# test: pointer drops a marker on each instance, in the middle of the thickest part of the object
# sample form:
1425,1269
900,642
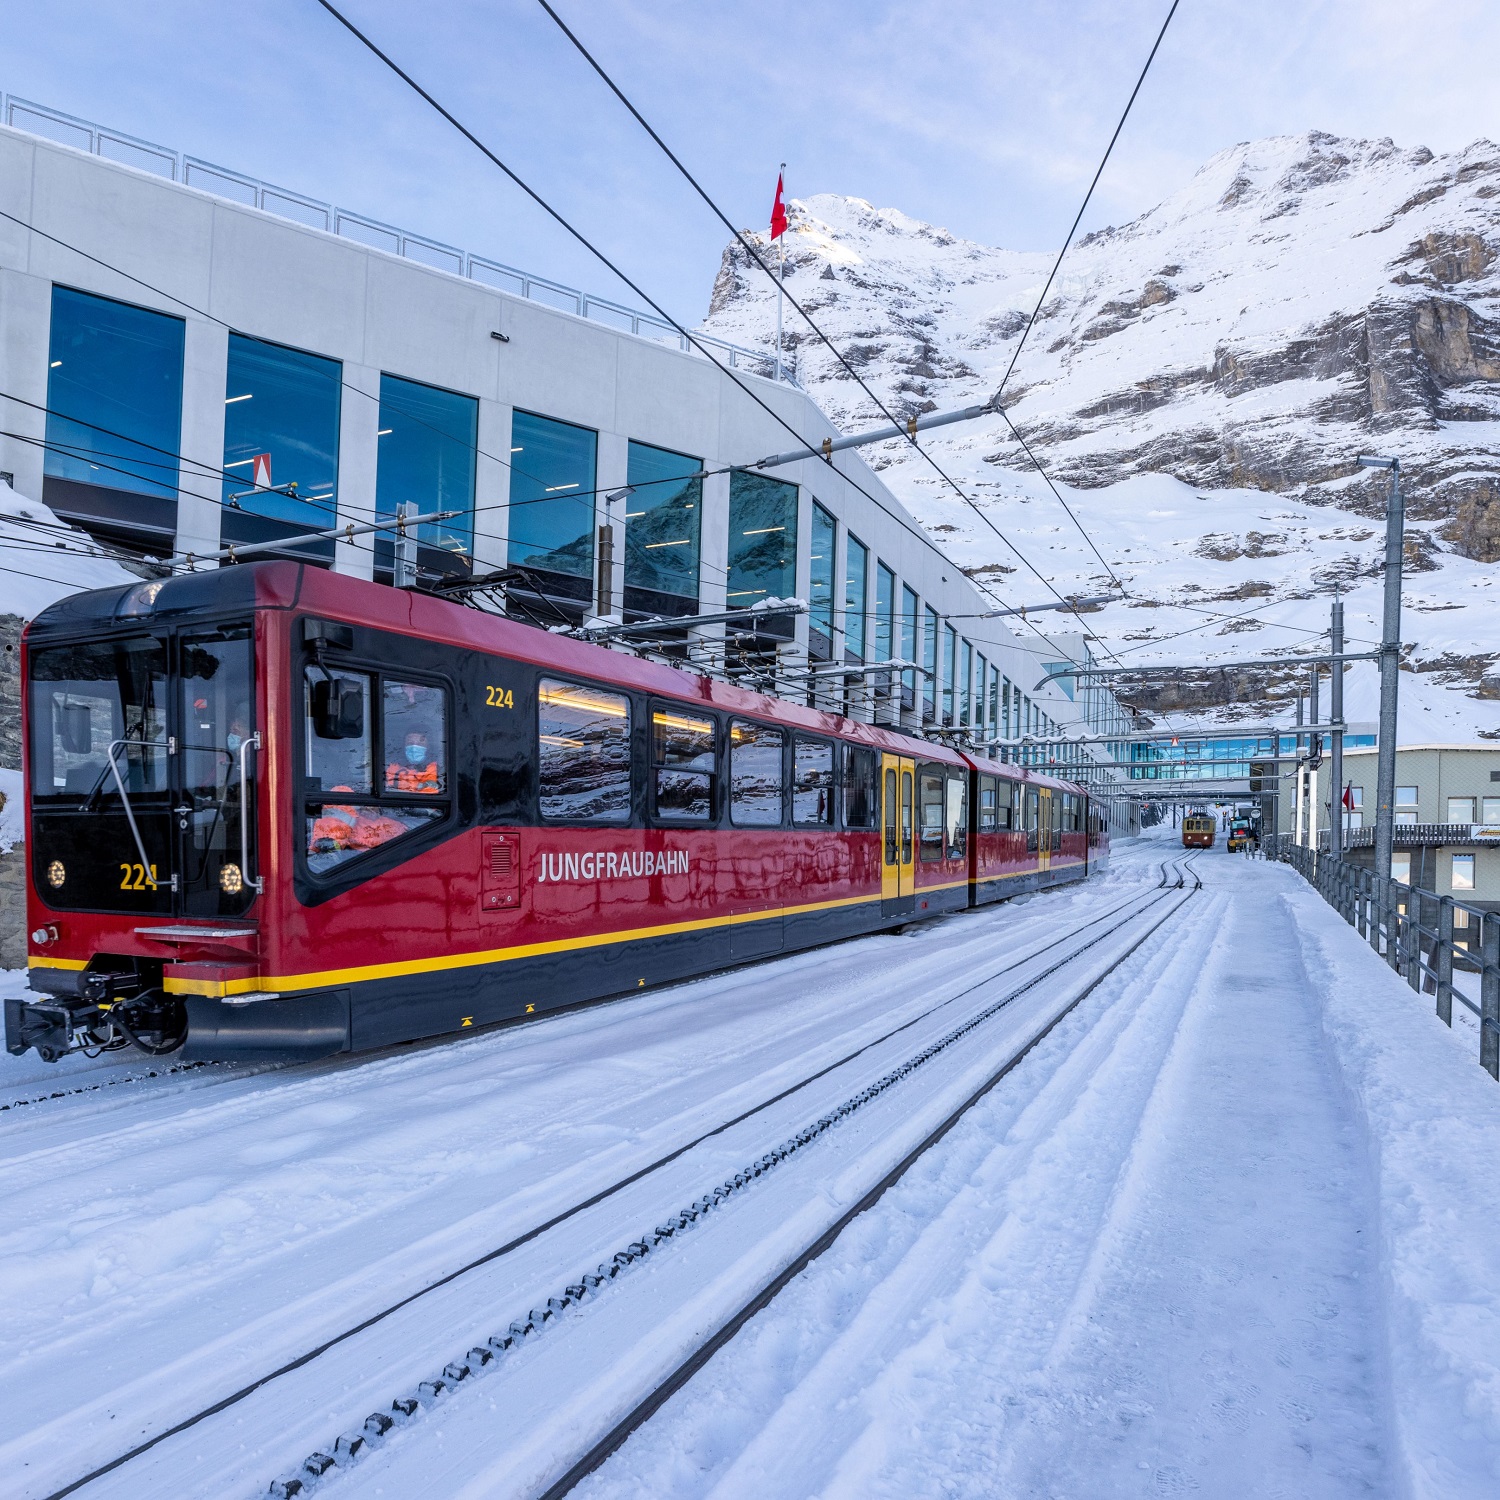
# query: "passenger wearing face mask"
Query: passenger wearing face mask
418,772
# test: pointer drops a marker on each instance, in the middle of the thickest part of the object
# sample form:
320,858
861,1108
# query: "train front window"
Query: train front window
93,700
217,697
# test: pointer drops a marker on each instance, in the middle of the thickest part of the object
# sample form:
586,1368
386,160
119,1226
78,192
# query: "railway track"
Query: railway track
156,1458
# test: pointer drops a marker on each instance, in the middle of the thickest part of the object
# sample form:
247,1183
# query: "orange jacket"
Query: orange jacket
400,778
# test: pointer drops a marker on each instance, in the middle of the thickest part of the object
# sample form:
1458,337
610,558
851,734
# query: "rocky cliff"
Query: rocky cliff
1216,365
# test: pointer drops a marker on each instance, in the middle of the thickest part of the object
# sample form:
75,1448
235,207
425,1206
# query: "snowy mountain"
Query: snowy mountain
1201,380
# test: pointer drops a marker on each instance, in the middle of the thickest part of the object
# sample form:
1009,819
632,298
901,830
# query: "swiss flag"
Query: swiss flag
778,213
261,472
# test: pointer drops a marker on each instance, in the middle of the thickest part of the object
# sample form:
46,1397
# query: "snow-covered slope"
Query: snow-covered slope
1202,380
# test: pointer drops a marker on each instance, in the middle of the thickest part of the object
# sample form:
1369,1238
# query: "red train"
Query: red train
275,812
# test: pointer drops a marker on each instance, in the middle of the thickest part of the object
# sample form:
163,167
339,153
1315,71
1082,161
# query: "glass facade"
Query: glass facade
929,661
426,462
981,676
281,443
908,645
663,530
762,540
885,613
820,583
950,670
552,466
114,424
856,600
965,678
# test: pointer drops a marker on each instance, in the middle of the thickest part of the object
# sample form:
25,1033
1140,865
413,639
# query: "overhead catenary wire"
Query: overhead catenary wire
751,250
614,269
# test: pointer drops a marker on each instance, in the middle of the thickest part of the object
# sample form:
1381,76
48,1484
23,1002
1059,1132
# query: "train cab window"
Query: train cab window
349,811
583,753
683,749
812,783
988,810
933,815
861,787
414,723
755,754
957,821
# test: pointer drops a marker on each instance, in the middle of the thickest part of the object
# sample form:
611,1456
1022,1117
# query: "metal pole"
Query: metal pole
1336,715
1314,754
780,283
1301,781
1390,666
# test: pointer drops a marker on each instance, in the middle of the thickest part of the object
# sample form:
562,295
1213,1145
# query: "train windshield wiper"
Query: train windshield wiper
112,763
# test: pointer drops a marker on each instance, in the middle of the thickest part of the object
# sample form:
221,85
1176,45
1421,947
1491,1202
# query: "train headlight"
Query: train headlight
56,874
231,881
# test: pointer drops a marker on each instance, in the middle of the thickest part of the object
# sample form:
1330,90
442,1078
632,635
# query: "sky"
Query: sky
985,116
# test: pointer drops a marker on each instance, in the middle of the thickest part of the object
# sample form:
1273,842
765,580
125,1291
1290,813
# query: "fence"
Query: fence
1424,937
237,187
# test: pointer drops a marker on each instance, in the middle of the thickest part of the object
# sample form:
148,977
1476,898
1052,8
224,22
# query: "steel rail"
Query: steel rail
660,1394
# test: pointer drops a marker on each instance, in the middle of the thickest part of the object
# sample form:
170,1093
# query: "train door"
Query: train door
897,817
1044,829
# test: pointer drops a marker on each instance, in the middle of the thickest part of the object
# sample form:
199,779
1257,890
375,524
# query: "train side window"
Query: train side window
755,756
861,787
812,782
683,748
988,805
958,816
932,813
583,753
344,765
1004,810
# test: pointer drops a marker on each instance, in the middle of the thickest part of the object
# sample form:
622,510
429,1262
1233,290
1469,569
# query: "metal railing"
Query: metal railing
1410,835
1424,937
237,187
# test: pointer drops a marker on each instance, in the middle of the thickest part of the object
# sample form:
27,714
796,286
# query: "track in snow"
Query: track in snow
1041,918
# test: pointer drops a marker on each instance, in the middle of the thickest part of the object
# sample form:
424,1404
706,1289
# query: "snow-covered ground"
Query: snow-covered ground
1230,1228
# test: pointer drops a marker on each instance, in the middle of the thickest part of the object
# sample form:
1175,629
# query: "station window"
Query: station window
1463,872
114,417
820,584
861,787
950,670
663,527
1460,810
762,540
812,782
683,749
908,646
551,514
1490,812
351,810
933,814
281,442
755,756
1406,804
1401,866
929,662
965,681
856,585
981,680
885,613
426,457
583,753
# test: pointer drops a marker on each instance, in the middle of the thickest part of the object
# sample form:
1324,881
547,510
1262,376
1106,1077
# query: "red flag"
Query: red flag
1349,797
778,213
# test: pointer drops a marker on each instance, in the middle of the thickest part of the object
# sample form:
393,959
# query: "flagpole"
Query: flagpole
780,286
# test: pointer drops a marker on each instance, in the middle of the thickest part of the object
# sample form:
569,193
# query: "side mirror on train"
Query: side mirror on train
75,732
338,709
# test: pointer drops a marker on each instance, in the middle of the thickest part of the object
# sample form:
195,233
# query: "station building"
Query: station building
193,360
